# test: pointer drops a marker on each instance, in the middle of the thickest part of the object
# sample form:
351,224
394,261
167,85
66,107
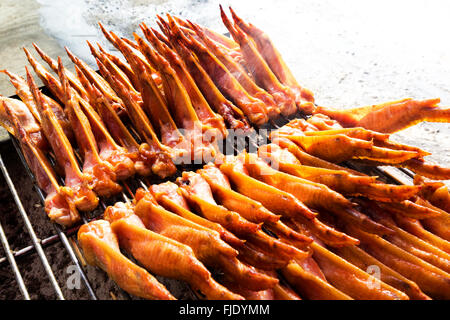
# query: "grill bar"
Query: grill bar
13,264
28,249
34,238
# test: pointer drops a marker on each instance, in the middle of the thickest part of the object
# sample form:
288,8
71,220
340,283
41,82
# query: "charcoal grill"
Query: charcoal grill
94,283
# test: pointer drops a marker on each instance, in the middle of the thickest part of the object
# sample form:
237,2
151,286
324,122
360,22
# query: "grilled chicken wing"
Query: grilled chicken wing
157,155
307,159
403,239
119,131
420,249
179,105
239,73
199,194
109,150
416,228
79,183
53,64
248,208
261,72
311,286
363,260
440,224
168,195
432,280
197,190
253,108
418,164
436,194
101,172
375,190
220,186
112,67
303,97
101,249
280,202
98,81
116,42
218,38
427,169
410,209
391,116
155,107
233,116
119,64
352,280
24,92
47,78
162,255
59,203
340,147
26,119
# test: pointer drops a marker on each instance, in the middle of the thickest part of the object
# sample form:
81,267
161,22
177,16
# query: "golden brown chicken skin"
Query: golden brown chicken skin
101,248
162,255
